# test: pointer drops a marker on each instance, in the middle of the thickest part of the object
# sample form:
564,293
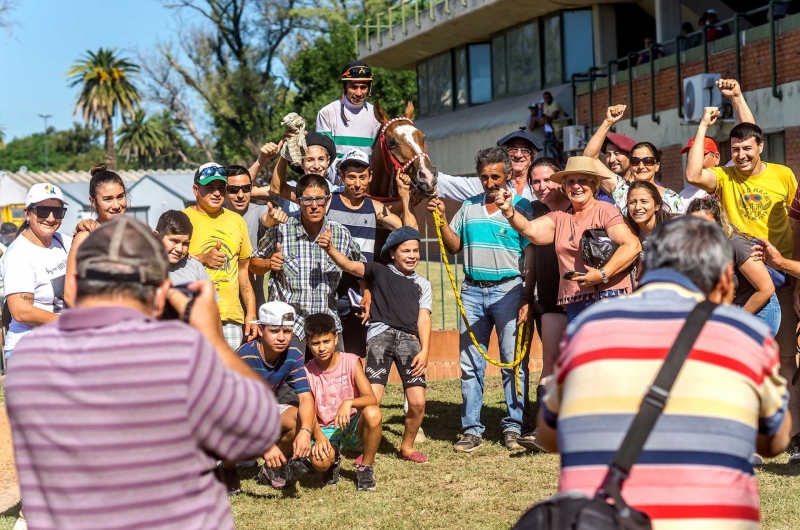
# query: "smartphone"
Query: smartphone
169,312
571,275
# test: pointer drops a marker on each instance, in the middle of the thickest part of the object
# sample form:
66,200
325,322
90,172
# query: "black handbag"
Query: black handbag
573,510
597,247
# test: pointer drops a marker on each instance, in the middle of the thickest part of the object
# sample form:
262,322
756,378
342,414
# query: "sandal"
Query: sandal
416,457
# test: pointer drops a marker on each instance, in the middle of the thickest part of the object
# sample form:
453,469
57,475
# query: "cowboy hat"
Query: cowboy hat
577,165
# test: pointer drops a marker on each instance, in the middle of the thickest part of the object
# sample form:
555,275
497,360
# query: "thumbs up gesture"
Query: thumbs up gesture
325,238
276,260
212,258
274,216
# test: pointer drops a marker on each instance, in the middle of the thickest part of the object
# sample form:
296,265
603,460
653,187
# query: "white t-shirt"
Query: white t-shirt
28,268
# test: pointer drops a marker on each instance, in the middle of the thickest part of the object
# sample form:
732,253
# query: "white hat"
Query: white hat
275,314
42,192
712,11
355,155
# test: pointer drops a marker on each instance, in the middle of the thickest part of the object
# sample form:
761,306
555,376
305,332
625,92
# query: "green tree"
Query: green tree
2,137
142,138
104,79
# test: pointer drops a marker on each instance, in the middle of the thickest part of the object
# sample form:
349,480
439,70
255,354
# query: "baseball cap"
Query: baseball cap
622,141
533,104
8,228
43,191
275,314
355,156
203,177
396,238
122,250
709,145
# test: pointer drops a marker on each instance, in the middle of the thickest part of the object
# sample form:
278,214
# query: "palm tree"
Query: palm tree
106,90
142,137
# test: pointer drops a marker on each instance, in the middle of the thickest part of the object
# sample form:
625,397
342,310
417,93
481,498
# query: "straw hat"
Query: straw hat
577,165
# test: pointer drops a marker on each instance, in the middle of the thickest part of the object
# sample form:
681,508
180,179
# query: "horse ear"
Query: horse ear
410,110
379,114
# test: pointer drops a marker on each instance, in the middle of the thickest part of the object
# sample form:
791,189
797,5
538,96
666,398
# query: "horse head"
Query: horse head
403,145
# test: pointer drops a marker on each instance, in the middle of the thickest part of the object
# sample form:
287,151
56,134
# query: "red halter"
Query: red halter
386,151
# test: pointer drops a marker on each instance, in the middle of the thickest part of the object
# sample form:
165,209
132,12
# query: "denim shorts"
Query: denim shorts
393,346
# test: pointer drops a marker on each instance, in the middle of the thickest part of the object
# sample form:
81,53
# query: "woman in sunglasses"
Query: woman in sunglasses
109,199
645,163
35,265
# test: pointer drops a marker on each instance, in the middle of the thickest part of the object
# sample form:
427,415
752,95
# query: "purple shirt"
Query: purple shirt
118,420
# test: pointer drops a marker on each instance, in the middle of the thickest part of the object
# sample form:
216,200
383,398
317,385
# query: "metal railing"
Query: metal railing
431,247
402,10
631,58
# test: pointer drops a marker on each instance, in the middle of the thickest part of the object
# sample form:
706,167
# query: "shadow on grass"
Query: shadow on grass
781,470
13,511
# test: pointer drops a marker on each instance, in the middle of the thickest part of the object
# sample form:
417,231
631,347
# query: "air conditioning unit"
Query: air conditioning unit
700,91
574,137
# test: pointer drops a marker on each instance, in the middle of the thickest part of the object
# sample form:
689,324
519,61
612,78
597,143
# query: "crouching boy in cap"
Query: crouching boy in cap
400,331
278,362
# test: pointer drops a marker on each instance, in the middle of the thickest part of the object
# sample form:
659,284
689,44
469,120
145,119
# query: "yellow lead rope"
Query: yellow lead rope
523,331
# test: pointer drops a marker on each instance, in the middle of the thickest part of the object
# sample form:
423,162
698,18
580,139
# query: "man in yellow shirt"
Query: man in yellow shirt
220,241
756,196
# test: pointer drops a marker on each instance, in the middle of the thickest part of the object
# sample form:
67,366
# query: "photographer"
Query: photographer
135,411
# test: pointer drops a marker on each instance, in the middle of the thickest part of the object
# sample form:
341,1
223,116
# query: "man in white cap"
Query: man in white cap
279,363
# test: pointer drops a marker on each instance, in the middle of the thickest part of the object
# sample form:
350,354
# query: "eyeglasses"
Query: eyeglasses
234,190
308,201
43,212
648,161
277,329
520,150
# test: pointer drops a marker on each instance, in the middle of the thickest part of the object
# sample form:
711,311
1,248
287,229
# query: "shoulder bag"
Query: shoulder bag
597,247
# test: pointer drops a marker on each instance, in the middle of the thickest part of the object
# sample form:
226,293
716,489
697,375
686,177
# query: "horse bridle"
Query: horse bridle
386,151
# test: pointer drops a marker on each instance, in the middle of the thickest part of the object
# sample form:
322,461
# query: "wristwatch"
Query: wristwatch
603,272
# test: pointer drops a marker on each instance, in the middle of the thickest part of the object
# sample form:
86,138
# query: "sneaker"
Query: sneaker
531,442
230,477
794,450
247,463
294,470
330,477
268,476
467,443
21,524
757,460
510,440
366,478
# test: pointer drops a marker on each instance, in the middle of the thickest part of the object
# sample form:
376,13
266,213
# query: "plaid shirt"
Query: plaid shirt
309,277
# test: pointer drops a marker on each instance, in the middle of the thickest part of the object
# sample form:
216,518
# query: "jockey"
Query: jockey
350,121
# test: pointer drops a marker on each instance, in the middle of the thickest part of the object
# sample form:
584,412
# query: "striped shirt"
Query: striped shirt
696,468
289,367
360,131
492,249
309,277
118,421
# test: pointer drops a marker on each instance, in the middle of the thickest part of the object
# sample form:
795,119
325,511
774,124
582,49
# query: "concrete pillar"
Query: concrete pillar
668,19
604,31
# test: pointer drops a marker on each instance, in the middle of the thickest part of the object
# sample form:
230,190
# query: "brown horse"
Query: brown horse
400,147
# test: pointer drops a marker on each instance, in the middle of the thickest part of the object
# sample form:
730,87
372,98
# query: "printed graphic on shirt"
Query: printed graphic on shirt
755,204
226,273
58,292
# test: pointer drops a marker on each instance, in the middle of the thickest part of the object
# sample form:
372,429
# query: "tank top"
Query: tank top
362,225
332,387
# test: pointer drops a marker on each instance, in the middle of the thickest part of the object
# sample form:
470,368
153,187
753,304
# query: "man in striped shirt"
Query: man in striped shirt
696,470
492,295
118,417
350,121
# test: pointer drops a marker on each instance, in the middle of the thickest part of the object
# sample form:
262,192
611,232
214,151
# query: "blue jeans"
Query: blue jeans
487,308
770,314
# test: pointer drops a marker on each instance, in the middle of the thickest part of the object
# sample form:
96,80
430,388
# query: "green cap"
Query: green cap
202,179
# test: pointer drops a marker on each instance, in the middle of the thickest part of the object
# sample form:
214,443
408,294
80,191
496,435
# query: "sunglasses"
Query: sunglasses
308,201
648,161
214,170
234,190
43,212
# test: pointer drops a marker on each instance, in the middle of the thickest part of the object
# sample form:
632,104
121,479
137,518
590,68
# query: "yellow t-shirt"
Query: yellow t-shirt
230,229
759,204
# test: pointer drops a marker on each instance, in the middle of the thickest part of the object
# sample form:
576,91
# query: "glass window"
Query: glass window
480,73
499,79
774,148
522,59
440,83
579,47
422,88
461,77
139,213
552,50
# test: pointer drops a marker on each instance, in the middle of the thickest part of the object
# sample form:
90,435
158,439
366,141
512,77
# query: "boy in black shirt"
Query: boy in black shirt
400,328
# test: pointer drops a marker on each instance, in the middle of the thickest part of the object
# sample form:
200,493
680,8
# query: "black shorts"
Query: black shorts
393,346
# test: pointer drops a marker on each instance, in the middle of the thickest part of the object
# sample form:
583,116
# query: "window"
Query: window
522,59
499,79
440,83
462,84
774,148
579,47
480,73
422,88
139,213
552,50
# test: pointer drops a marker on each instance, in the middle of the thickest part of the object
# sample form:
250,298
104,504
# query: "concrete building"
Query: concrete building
481,63
155,193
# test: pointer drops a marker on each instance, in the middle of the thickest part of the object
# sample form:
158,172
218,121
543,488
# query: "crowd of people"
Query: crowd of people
238,330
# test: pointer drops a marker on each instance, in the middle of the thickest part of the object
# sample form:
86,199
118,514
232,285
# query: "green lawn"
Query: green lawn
488,489
442,317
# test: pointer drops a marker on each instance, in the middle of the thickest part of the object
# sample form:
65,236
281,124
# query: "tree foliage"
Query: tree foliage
142,138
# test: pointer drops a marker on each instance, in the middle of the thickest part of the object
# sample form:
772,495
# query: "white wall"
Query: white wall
148,193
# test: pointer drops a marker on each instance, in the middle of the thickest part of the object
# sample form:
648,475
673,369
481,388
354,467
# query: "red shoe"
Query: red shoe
416,457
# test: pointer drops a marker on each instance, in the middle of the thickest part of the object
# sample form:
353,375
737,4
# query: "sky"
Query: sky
50,36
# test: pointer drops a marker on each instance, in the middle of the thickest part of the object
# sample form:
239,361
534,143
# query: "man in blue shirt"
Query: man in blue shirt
492,295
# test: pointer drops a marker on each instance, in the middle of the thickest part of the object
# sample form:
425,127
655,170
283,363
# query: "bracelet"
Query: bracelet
513,213
307,430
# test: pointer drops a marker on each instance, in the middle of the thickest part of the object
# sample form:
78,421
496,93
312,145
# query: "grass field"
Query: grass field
489,488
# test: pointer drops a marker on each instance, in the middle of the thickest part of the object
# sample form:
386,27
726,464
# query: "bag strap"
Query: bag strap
654,402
